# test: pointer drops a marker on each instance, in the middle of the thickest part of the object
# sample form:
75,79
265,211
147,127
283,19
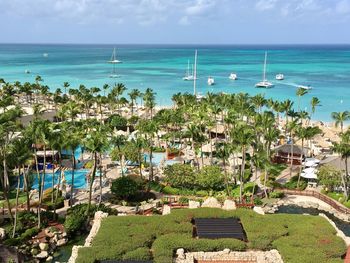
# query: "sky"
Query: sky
175,21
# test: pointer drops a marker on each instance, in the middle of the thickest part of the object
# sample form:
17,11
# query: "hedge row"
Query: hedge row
298,238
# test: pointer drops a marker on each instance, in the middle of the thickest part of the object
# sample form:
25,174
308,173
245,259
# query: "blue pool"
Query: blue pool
79,179
158,157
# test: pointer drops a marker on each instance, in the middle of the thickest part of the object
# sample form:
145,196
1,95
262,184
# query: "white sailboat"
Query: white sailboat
280,76
264,83
233,76
211,81
189,75
114,61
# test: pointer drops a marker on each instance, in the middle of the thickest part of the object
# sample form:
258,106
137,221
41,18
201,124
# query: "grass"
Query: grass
12,195
298,238
338,197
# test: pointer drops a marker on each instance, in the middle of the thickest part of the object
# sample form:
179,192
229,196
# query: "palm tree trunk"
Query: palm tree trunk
301,160
292,157
92,179
100,166
242,174
344,178
17,194
72,186
42,188
53,179
26,186
58,184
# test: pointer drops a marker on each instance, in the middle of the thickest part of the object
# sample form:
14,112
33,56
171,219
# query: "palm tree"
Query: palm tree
243,135
118,142
118,91
72,142
315,102
65,86
343,148
305,133
340,118
300,92
149,99
95,142
223,151
133,94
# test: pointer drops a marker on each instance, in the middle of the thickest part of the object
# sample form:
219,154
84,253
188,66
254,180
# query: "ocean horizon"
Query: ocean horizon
324,67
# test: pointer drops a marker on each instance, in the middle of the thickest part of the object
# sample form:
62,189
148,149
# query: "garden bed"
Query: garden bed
298,238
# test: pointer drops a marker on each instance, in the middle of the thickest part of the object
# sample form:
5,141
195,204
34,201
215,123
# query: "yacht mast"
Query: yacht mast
264,74
195,73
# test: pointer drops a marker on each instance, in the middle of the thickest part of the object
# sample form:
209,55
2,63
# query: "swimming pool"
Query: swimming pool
79,179
158,157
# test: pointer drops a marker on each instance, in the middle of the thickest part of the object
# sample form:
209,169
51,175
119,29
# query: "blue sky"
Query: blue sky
175,21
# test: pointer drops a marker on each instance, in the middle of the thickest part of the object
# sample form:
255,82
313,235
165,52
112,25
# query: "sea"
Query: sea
326,68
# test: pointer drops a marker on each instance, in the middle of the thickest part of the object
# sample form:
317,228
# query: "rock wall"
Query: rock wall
99,215
271,256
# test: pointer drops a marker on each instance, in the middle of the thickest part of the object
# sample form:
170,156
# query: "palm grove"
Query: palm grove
89,117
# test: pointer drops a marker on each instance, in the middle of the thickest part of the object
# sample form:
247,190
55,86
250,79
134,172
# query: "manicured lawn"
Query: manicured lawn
21,199
298,238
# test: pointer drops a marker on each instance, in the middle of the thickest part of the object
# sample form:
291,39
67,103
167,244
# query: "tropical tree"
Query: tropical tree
95,142
340,118
343,149
300,93
315,102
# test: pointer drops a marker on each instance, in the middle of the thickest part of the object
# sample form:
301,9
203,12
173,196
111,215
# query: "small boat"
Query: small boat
188,75
27,71
308,87
45,55
211,81
233,76
279,76
264,83
114,61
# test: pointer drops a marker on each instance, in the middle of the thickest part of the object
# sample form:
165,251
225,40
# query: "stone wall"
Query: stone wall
99,215
227,255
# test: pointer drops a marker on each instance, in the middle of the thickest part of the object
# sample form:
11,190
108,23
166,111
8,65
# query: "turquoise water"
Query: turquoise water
79,179
158,157
325,68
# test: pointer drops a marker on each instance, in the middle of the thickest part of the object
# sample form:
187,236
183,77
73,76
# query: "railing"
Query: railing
336,205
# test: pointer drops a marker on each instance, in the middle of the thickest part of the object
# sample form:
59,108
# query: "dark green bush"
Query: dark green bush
293,183
29,233
276,194
124,187
141,253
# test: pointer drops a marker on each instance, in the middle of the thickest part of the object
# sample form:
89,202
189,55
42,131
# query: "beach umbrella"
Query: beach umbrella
310,164
314,160
309,175
309,170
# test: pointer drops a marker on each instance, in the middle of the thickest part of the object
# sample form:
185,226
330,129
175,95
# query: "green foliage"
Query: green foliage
132,237
29,233
117,121
276,194
179,175
248,189
293,183
76,216
210,178
329,177
124,187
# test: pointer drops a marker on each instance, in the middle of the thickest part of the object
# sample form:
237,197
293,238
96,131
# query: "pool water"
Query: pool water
291,209
79,179
157,159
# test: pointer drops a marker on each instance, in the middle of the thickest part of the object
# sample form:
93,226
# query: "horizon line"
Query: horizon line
179,44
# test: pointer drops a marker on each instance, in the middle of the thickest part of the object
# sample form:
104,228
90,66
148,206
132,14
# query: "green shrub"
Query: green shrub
183,200
141,253
210,178
12,242
29,233
293,182
258,201
89,165
276,194
124,187
170,190
180,175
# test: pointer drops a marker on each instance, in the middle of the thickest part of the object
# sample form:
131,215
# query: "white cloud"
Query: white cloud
263,5
343,7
